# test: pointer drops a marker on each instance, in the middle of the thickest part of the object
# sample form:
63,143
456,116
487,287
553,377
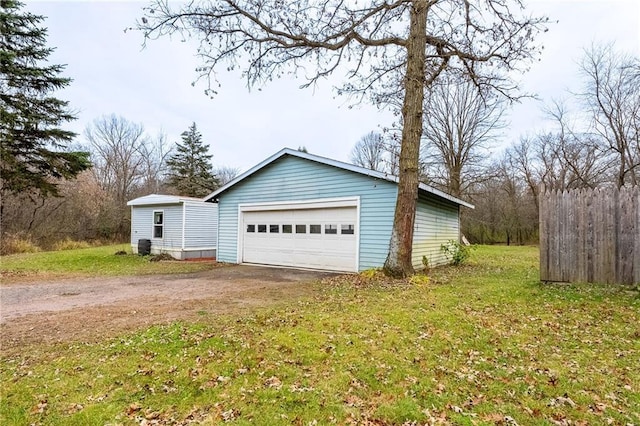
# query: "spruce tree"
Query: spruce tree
190,169
33,152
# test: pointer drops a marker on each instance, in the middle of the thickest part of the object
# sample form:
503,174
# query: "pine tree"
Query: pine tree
33,152
190,170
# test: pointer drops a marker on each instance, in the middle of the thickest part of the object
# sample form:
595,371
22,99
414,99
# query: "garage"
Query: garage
301,210
317,238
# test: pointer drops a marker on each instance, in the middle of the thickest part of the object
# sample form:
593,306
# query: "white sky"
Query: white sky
152,86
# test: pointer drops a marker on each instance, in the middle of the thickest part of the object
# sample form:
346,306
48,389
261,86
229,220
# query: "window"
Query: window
301,229
315,229
251,228
347,229
331,229
262,228
158,224
286,229
274,229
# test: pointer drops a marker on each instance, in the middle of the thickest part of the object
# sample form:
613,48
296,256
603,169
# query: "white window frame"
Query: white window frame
153,225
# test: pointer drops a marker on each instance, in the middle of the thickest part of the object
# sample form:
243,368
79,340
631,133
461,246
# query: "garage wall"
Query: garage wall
295,179
436,223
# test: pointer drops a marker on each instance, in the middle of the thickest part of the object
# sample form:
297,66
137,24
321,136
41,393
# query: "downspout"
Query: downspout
184,221
131,237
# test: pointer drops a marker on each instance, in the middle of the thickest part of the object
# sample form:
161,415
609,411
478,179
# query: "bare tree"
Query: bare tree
521,156
459,128
155,154
569,158
612,96
389,49
123,157
369,152
226,174
117,154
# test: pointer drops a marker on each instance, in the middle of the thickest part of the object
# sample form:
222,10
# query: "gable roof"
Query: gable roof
155,199
334,163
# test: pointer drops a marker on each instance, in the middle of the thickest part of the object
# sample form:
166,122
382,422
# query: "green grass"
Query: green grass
95,261
485,343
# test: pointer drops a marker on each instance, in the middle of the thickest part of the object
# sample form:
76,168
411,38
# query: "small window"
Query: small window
274,229
158,224
262,228
251,228
286,229
315,229
301,229
346,229
331,229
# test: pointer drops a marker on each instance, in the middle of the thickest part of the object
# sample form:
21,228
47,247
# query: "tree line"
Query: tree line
56,186
447,57
595,144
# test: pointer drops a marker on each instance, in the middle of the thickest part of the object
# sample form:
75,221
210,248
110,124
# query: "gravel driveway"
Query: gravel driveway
91,308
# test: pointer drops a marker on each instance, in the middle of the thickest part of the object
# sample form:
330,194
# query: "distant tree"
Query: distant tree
389,50
155,154
190,169
570,158
226,174
369,152
126,164
612,96
33,154
118,155
460,126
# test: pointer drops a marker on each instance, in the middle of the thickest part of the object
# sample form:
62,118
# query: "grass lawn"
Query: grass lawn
484,343
93,261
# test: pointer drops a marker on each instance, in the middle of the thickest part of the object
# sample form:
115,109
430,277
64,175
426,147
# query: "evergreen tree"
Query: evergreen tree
190,170
33,151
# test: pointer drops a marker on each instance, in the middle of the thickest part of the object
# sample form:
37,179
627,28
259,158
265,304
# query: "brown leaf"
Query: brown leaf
132,409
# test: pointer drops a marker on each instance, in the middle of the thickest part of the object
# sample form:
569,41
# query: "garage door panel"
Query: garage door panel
333,251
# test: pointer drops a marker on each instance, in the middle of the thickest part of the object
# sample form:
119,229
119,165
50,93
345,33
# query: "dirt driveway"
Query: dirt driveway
91,308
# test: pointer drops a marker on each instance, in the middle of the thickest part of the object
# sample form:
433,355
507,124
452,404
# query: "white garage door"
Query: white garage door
322,238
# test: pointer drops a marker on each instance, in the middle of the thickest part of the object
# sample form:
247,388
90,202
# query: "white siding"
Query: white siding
436,223
200,227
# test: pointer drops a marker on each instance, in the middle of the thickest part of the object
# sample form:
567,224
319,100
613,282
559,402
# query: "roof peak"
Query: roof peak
330,162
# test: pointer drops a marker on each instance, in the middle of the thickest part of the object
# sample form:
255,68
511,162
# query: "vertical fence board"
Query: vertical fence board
544,246
590,235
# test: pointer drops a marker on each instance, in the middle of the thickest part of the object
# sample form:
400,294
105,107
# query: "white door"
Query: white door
322,238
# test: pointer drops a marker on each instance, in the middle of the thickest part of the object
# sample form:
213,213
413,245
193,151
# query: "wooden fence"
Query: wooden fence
590,236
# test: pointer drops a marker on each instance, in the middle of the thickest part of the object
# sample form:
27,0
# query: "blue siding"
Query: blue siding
296,179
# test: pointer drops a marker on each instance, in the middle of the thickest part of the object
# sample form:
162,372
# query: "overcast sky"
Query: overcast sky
112,73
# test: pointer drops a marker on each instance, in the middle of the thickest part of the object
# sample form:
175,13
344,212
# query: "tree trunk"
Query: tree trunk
398,263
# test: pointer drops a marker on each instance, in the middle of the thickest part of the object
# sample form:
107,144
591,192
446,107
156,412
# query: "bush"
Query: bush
458,253
69,244
18,243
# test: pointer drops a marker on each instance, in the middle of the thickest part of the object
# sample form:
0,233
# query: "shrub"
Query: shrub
458,253
18,243
69,244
